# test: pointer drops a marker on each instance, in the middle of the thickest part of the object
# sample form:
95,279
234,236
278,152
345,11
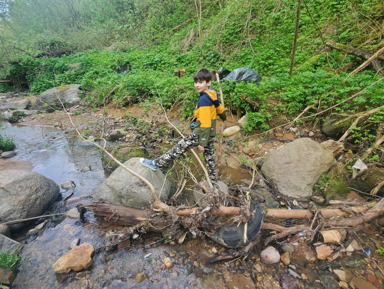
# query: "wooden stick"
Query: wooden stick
286,232
366,63
31,219
376,144
222,123
303,112
371,214
361,115
289,214
157,202
358,52
377,188
296,36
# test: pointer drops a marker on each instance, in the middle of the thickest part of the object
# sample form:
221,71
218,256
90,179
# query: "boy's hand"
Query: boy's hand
200,148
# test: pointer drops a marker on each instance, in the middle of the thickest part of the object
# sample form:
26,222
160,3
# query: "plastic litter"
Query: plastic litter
358,167
240,74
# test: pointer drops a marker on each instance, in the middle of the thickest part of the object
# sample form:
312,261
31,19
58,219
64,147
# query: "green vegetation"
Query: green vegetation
332,185
16,116
63,42
6,143
10,261
380,250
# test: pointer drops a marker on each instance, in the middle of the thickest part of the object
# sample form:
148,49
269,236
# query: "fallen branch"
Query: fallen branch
110,210
367,62
361,115
358,52
376,144
371,214
284,232
157,202
300,115
375,190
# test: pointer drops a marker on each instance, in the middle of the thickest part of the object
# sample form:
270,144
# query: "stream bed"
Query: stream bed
61,157
54,154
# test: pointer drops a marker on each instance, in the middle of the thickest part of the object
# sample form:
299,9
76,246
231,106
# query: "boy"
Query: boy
203,128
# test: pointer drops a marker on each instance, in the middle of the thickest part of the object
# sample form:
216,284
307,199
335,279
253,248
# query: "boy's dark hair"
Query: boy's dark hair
202,74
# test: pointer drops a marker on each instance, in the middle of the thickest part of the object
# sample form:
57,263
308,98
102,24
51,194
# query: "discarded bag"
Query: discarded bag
242,74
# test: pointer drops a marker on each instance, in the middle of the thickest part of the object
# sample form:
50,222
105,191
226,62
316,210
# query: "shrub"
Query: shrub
6,143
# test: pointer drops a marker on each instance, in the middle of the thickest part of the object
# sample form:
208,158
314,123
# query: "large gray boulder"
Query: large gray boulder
51,99
295,167
14,104
123,188
25,194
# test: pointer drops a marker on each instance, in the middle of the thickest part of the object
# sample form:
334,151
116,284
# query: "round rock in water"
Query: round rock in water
270,256
25,194
7,155
68,185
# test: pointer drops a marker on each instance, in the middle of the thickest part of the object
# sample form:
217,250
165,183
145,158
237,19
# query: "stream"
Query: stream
54,154
63,157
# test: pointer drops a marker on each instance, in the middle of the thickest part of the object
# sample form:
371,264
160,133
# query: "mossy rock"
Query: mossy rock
16,116
337,189
63,88
333,185
368,180
123,153
332,128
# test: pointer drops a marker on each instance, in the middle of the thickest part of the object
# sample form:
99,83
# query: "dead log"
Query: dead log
165,224
367,62
371,214
118,215
130,216
360,53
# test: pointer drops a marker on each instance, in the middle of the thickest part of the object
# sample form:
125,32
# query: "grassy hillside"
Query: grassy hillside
157,37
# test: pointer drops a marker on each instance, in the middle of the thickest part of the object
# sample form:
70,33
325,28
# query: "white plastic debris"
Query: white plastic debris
358,168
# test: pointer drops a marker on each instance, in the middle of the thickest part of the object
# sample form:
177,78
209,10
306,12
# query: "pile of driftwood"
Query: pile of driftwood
338,214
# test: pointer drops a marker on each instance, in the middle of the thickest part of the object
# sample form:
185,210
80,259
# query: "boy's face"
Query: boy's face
202,85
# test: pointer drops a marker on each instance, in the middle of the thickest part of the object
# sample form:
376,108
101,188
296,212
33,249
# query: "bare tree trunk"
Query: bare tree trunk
296,35
198,13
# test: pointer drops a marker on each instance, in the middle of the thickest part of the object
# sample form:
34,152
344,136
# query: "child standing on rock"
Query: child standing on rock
203,128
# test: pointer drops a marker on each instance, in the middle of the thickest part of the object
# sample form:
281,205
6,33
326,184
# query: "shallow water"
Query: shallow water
52,153
55,155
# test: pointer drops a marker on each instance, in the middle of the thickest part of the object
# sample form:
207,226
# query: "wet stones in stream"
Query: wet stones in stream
77,259
18,187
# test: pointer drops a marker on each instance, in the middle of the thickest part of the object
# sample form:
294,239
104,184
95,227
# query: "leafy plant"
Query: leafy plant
10,261
380,250
6,143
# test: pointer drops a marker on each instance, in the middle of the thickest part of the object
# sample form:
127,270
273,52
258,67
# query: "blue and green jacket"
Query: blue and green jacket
207,109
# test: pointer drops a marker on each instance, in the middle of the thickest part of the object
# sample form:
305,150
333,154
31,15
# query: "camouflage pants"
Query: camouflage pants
184,145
